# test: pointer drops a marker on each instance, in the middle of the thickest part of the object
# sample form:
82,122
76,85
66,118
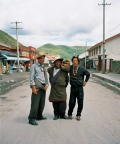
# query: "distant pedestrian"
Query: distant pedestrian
77,83
59,81
39,85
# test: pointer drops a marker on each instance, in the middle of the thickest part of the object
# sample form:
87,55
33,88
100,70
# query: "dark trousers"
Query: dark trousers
76,92
37,104
59,108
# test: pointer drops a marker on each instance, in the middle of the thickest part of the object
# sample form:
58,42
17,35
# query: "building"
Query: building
27,52
4,47
51,57
82,59
9,58
112,53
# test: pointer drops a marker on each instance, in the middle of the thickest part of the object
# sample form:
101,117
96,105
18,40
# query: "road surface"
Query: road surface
100,121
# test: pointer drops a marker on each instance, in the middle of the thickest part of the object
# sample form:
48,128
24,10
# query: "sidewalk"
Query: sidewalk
111,78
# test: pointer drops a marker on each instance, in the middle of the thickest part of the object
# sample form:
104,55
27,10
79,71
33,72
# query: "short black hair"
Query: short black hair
76,58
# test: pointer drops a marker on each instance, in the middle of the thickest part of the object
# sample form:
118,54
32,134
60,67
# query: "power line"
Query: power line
109,31
17,40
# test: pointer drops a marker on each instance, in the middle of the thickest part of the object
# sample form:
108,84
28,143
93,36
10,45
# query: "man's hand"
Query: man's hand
45,87
84,83
34,90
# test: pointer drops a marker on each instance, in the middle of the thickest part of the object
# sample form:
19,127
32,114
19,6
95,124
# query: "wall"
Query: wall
116,67
113,48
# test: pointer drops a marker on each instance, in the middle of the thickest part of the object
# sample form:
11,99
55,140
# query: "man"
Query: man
39,85
77,83
59,81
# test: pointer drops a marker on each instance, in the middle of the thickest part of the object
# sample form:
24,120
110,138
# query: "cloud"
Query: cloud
12,31
58,21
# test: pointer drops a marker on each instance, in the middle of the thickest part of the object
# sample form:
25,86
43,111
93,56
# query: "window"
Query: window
25,53
94,51
89,53
99,49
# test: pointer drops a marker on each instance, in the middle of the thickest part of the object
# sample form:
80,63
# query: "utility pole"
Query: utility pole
17,41
85,54
103,61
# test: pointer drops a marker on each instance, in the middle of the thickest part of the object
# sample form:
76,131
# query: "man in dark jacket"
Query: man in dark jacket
59,81
77,83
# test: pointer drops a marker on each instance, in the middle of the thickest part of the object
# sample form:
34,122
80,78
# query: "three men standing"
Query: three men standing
59,80
39,85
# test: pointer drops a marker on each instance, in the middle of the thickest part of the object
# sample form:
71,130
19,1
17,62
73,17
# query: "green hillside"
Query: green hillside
7,39
64,51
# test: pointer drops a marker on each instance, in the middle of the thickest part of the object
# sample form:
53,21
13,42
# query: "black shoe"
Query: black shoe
33,122
56,117
64,117
41,118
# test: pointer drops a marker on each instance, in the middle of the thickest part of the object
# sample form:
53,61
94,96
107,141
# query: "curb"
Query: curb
107,80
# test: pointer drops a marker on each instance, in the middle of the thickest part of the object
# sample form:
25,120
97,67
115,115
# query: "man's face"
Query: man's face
75,62
41,60
58,64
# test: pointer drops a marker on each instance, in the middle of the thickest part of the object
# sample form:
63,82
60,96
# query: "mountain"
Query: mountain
64,51
7,39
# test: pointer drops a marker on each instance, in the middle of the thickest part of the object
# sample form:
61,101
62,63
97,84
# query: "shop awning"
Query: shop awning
15,58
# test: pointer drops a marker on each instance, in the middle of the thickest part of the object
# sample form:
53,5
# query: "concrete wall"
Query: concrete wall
116,67
112,48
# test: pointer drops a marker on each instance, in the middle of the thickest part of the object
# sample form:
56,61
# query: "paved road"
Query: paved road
100,123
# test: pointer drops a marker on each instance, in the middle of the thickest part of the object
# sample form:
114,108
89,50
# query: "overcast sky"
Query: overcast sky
66,22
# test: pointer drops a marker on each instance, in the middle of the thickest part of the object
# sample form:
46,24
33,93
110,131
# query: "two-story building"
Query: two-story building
8,56
27,52
112,52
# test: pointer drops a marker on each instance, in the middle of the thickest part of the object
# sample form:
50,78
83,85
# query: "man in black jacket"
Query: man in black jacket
77,83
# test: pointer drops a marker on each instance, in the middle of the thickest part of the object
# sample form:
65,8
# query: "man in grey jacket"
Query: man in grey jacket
39,85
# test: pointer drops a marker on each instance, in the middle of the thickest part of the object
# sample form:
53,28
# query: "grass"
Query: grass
64,51
7,39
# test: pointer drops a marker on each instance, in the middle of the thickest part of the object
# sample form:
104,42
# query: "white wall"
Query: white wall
46,60
112,48
83,55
